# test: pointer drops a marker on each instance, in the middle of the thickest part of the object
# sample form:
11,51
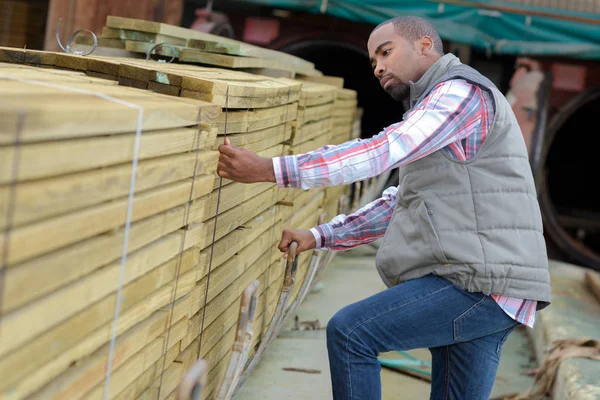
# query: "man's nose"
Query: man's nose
379,70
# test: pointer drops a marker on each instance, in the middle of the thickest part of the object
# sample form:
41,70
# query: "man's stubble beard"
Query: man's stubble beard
399,91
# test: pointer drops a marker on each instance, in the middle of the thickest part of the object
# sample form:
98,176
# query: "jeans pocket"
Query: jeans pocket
481,319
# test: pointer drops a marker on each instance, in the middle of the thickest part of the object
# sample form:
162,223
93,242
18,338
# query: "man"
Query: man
463,255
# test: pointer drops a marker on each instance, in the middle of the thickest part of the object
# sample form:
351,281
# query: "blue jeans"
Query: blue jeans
464,332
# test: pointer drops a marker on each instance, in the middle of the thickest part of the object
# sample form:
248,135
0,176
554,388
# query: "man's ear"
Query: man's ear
426,45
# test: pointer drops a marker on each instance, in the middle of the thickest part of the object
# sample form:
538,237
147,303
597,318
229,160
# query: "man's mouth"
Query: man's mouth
385,80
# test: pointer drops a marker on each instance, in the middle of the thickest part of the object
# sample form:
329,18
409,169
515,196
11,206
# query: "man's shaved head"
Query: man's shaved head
414,28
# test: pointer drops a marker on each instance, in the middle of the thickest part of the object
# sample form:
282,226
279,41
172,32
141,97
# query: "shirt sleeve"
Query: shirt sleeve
447,115
364,226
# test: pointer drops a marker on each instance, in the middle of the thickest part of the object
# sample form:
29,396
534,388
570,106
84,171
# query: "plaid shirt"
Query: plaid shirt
455,117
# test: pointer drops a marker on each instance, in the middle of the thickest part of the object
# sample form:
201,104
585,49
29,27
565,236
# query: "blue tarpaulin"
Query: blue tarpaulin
498,27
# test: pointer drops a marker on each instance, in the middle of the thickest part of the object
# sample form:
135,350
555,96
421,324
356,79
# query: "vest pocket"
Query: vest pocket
424,219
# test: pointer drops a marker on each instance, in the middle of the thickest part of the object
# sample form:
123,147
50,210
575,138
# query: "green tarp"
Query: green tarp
504,27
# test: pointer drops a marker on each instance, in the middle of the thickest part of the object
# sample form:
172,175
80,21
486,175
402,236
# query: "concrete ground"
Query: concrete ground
352,277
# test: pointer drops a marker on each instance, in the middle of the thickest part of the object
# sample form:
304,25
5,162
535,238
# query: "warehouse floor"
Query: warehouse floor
352,277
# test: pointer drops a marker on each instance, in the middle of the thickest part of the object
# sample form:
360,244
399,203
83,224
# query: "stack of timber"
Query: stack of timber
72,251
67,161
194,241
345,127
344,115
191,46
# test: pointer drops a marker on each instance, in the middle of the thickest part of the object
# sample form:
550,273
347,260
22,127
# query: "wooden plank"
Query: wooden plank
336,81
37,57
221,84
315,94
312,130
347,94
233,195
56,349
256,119
42,160
164,89
43,274
135,368
48,75
260,140
12,55
188,55
216,42
241,102
245,49
126,34
67,193
220,303
214,378
345,113
101,75
131,348
273,73
144,381
208,80
101,41
229,245
308,114
168,51
345,103
236,217
227,273
149,71
158,371
305,197
310,145
308,212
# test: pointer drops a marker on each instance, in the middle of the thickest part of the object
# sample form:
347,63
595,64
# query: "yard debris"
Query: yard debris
307,325
305,370
545,374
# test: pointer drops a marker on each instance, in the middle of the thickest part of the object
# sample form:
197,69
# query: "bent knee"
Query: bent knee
339,325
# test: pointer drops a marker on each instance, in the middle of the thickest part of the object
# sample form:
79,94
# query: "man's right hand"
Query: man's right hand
242,165
304,238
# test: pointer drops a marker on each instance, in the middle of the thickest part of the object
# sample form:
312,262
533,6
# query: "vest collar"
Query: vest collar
432,75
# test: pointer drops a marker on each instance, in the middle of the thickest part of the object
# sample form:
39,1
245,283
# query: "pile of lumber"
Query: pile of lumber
68,143
191,46
344,116
175,252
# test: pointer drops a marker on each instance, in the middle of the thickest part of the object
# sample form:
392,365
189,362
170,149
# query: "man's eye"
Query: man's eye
386,52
